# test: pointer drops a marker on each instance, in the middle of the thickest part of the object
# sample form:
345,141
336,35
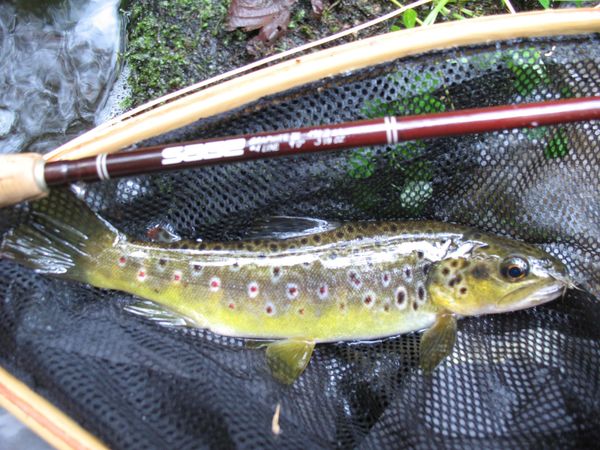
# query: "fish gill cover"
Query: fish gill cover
527,379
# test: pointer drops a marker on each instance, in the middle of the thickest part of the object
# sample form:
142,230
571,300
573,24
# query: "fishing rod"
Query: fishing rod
383,131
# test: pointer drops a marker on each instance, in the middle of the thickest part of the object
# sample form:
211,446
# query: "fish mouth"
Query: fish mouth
533,295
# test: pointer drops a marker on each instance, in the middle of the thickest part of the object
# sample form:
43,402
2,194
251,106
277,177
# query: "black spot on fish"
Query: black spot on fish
394,228
446,271
184,246
198,267
454,263
156,290
426,268
480,271
420,254
262,255
162,262
339,234
202,246
368,300
454,281
421,293
217,247
317,238
386,308
407,272
415,306
400,297
304,241
273,247
463,290
350,229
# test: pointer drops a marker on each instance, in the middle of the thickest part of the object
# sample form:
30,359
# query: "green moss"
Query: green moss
164,38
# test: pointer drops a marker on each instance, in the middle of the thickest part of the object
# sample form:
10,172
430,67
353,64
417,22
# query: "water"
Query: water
15,436
58,61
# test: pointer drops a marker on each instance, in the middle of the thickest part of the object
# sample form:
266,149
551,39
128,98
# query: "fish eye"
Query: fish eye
514,268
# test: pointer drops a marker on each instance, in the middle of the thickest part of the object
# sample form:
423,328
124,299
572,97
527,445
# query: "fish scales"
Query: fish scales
359,281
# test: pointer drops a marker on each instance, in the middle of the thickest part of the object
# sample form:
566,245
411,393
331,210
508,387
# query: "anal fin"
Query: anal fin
288,358
437,342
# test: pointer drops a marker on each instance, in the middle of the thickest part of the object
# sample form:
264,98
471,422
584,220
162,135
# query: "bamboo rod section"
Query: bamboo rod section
356,55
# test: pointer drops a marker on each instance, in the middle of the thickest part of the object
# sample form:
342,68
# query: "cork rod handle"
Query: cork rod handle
21,178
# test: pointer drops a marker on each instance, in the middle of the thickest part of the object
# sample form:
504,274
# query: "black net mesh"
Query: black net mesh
529,379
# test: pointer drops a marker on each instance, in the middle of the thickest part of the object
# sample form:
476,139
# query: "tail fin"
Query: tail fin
60,236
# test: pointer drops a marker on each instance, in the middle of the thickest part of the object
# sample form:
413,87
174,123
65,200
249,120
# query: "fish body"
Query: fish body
359,281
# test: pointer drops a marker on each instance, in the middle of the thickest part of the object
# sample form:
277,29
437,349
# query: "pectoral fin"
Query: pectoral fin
437,342
287,359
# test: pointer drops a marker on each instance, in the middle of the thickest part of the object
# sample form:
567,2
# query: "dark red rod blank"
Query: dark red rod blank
384,131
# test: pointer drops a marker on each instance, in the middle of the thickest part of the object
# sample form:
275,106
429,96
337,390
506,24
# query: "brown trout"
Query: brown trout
359,281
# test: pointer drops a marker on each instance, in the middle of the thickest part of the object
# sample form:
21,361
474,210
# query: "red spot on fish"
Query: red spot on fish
269,309
122,261
215,284
253,289
323,292
292,291
176,277
301,311
141,275
231,306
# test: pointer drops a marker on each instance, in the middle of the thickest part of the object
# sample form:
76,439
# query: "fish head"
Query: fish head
496,275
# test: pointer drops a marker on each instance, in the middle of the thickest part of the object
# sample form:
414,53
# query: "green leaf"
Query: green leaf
362,164
558,145
545,3
409,18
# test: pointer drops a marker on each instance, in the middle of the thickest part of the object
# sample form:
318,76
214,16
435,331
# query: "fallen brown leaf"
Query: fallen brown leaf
271,16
